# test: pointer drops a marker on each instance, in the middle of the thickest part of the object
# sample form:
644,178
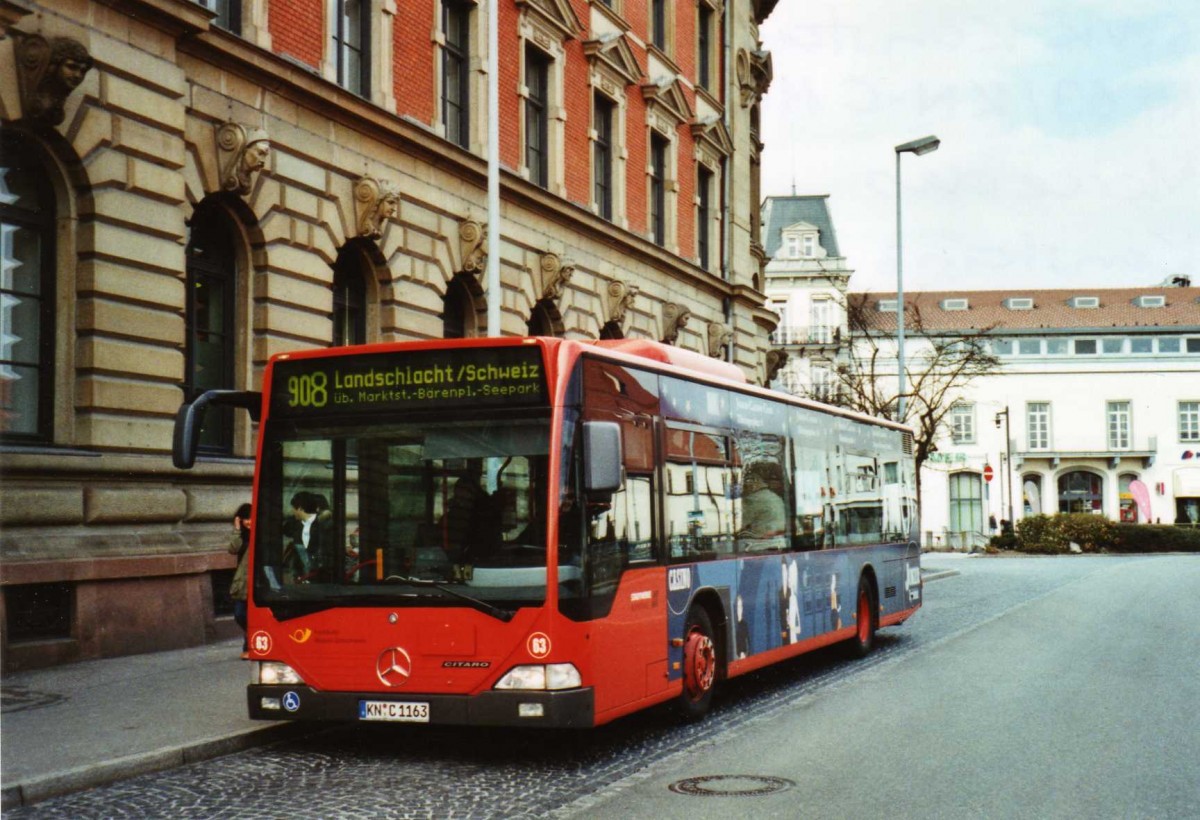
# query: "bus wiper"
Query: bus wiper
505,615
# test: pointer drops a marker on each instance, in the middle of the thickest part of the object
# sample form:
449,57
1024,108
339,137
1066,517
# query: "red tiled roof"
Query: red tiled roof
1051,309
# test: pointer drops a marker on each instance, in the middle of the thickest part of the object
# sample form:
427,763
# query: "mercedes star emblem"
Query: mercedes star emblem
393,667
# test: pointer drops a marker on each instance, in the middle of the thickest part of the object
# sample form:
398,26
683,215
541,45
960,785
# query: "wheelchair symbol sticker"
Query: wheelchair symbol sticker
291,701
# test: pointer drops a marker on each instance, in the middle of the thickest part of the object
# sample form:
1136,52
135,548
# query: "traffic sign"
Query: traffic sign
988,472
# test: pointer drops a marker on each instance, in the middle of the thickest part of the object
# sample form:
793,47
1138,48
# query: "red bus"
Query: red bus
537,531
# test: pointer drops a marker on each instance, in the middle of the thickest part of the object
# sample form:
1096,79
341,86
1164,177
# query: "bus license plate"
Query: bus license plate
399,711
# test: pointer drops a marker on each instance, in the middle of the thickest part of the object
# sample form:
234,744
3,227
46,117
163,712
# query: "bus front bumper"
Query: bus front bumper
571,708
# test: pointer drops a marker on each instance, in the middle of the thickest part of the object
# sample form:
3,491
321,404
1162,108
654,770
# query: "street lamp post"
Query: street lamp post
919,147
1007,457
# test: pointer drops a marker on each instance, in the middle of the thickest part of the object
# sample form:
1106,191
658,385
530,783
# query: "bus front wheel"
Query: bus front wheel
864,621
699,664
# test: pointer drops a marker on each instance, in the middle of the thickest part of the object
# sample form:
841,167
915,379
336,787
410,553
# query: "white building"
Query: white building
1095,407
806,282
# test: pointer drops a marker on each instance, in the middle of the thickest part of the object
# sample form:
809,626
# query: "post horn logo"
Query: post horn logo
301,635
393,666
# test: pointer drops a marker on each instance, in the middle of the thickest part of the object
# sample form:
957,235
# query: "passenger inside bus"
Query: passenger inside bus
764,513
308,538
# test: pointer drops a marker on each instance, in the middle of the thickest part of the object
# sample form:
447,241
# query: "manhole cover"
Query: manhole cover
20,698
731,785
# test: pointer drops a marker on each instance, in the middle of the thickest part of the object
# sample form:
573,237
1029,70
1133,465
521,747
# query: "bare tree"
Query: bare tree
938,366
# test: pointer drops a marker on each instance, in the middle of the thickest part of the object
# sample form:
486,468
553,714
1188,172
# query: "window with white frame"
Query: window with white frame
660,150
704,186
962,423
822,381
351,36
229,13
456,71
1037,425
705,45
27,291
537,116
1189,421
1119,424
604,112
792,245
821,326
660,24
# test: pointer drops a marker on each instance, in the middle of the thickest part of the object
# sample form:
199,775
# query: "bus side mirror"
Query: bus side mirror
602,461
189,420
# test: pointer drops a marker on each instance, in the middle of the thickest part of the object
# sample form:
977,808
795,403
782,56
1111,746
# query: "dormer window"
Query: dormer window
1018,303
886,305
1150,301
1085,302
955,304
802,241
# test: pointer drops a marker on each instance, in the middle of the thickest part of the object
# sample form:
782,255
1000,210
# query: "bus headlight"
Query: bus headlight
273,672
548,676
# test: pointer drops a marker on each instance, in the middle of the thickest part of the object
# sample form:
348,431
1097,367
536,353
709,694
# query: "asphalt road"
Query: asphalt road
1038,687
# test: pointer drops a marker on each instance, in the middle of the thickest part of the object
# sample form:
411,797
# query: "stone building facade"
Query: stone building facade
188,191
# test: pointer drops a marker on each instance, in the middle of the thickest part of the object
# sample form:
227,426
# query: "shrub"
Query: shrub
1155,538
1053,535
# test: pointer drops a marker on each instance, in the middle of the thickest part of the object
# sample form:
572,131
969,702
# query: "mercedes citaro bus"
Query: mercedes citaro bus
545,532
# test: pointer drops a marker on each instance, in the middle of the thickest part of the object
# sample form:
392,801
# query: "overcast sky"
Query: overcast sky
1070,133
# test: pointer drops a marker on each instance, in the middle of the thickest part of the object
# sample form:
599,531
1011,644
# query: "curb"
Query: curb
37,789
938,574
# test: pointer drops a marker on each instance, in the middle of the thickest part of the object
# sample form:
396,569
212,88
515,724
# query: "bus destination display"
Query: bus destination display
409,380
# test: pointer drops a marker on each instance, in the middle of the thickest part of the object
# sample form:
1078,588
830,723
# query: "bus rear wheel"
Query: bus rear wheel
864,622
699,665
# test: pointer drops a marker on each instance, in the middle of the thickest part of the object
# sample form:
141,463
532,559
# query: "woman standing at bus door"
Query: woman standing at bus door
239,542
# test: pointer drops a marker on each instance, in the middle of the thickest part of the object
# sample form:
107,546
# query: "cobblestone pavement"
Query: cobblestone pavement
395,772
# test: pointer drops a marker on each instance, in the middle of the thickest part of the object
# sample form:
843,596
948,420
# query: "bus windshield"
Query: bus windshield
423,513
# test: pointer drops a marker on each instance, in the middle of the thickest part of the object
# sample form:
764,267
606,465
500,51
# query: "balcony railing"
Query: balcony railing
807,335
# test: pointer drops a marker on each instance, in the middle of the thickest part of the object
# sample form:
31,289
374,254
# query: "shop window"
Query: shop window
1080,492
1129,508
1031,494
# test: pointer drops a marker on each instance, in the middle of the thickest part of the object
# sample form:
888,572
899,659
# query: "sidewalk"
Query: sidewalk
80,725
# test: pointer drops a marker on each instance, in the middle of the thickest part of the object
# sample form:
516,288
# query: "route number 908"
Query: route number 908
310,390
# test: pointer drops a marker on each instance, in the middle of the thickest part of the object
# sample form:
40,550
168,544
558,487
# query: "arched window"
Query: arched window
1031,494
966,503
349,298
27,293
1080,492
1129,507
458,314
211,318
541,321
612,330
